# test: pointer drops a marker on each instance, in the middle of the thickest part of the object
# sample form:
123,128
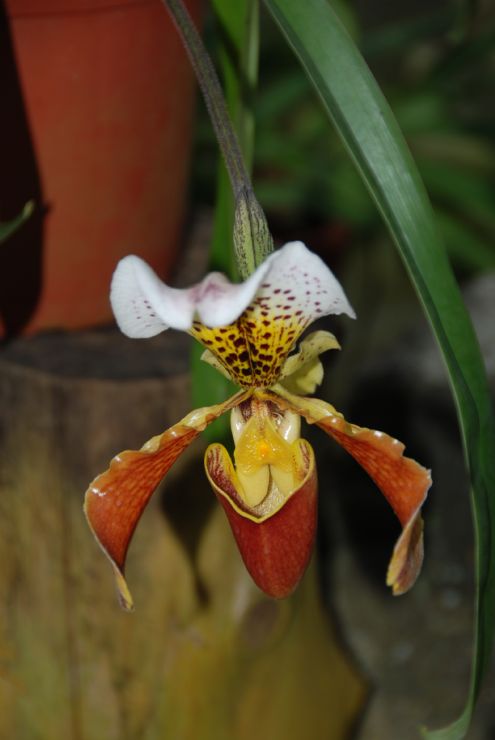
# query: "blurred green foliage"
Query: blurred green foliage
436,66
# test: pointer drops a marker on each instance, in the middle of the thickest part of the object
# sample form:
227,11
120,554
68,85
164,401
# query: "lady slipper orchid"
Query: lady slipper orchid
268,491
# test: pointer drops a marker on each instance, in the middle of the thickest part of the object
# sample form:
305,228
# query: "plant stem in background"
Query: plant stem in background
238,50
252,239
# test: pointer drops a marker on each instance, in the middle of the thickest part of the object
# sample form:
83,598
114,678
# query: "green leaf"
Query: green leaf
398,35
465,15
466,247
238,55
466,192
7,229
371,135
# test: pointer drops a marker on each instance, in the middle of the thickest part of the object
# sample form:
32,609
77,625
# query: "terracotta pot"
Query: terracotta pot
97,129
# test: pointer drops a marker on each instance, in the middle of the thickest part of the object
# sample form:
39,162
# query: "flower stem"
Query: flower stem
252,239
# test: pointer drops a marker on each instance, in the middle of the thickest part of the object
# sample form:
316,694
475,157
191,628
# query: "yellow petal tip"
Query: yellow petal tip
125,598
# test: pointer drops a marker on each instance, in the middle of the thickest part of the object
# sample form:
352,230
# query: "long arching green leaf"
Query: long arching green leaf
371,135
8,228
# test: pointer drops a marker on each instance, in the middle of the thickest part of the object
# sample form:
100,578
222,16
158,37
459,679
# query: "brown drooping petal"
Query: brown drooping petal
403,482
116,499
276,541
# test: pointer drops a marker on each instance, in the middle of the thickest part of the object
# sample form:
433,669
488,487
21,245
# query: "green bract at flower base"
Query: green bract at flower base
269,491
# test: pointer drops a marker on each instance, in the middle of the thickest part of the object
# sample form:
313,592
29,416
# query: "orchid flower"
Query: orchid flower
268,490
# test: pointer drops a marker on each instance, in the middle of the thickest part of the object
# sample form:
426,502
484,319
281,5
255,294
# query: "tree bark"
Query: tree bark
205,654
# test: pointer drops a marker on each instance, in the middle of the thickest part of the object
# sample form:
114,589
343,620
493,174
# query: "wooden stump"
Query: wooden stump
205,654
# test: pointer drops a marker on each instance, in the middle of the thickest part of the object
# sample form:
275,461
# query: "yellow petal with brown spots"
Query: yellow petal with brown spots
297,288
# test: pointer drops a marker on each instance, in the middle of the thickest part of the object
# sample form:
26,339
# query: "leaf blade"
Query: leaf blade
372,138
9,227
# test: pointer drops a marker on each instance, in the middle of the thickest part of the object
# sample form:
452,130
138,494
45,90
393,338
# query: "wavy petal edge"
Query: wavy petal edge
144,305
116,499
403,482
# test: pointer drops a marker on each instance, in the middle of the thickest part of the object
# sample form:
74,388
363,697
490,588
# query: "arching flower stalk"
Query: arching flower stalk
268,491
